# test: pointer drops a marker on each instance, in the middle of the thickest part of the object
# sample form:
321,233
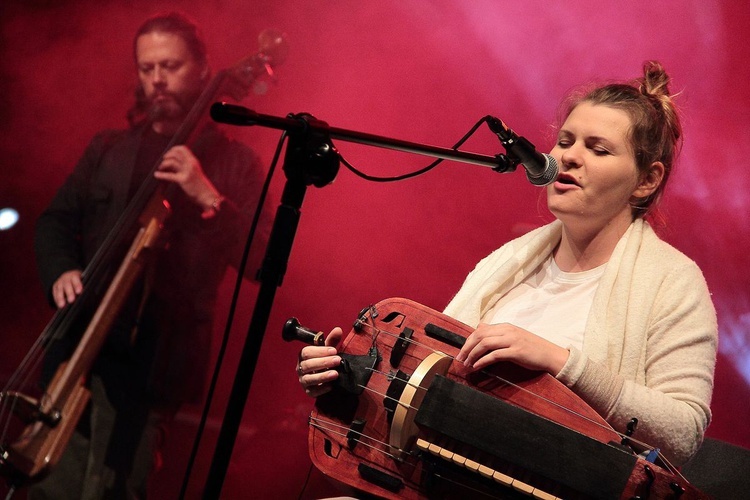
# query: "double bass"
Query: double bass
48,420
405,422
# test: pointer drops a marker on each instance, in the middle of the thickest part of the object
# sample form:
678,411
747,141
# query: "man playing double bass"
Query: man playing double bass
156,354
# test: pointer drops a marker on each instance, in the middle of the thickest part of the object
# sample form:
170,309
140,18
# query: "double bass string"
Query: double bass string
20,379
102,268
96,271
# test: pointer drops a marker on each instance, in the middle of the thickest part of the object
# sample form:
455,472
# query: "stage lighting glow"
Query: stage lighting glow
8,218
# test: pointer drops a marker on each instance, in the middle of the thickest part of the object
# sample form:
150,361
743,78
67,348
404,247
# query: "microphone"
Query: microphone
541,169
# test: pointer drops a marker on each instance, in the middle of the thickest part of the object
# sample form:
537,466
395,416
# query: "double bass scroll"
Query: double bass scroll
425,427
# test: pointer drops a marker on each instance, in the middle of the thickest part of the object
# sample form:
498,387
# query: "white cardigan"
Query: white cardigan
650,341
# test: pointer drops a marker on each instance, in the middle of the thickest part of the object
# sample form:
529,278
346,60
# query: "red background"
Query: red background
421,71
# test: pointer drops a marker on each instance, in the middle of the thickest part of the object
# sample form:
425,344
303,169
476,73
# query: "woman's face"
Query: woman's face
598,173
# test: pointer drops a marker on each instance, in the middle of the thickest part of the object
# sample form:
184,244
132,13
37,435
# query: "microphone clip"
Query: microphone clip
505,162
541,169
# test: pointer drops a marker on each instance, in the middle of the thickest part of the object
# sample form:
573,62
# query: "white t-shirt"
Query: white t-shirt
550,303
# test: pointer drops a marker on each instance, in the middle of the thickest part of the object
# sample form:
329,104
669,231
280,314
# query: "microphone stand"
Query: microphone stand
310,159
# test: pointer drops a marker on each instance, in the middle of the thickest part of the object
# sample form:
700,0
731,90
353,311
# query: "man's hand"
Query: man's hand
66,288
180,166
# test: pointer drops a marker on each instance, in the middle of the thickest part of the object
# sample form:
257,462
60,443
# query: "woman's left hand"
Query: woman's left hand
489,344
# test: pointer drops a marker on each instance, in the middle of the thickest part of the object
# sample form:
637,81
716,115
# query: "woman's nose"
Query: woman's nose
571,156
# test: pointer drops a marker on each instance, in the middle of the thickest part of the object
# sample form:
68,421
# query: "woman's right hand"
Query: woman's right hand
317,365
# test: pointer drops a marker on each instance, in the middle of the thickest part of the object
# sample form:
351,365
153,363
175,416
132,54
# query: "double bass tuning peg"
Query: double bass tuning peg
294,331
273,44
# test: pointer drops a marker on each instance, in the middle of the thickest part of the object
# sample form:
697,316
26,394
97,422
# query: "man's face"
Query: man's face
170,76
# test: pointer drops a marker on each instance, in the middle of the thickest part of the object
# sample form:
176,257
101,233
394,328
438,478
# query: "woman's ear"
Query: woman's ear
649,181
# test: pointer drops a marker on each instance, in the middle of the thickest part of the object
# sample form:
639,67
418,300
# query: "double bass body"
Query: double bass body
49,420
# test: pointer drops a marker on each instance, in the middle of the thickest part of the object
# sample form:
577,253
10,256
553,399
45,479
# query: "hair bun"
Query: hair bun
655,81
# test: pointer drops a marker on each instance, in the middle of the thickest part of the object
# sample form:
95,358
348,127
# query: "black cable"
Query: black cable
421,171
241,272
307,480
230,315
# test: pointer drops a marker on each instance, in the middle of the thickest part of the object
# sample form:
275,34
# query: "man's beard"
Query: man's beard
173,109
166,110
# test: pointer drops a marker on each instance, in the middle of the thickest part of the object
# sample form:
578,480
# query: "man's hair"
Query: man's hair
178,24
